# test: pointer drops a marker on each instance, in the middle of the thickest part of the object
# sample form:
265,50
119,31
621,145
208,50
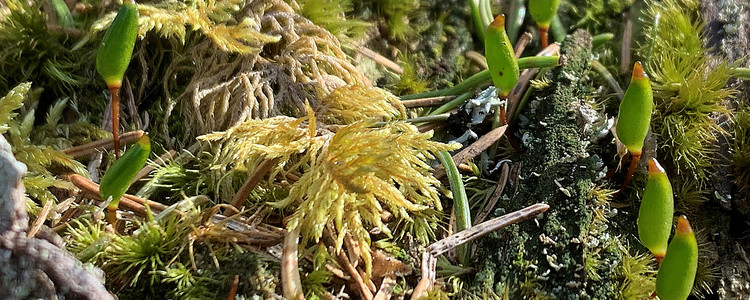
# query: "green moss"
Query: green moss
740,149
688,88
548,257
331,15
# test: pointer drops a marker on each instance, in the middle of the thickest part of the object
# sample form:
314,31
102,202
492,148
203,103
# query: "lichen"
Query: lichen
561,254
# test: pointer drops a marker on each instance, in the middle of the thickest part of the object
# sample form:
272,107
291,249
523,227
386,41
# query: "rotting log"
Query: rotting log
547,257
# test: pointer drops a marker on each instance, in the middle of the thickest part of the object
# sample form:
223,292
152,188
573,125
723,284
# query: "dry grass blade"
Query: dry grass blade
251,182
432,101
382,60
474,149
40,219
499,187
429,258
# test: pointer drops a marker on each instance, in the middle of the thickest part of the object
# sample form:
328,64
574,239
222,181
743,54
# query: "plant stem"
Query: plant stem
515,19
608,76
601,39
65,19
558,30
741,73
115,91
452,104
460,203
543,36
476,16
483,77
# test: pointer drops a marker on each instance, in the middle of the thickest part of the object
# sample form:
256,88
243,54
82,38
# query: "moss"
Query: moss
547,257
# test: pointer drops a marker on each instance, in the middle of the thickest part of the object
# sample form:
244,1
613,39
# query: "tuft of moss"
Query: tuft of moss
331,15
740,148
688,89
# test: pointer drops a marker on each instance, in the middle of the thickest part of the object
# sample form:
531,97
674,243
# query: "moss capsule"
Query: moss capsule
116,49
543,11
657,209
500,57
634,118
113,58
677,271
118,177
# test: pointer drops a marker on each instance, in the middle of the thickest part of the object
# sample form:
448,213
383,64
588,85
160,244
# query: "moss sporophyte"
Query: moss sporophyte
634,118
656,211
120,175
113,58
501,59
543,11
677,271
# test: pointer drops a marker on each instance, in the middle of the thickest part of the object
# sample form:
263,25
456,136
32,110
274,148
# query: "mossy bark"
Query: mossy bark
551,256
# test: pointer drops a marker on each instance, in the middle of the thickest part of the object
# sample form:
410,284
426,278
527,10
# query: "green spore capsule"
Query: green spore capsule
113,58
543,11
657,209
501,59
116,49
677,271
634,118
118,177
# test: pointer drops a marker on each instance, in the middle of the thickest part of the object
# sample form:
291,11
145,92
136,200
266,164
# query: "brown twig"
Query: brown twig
521,44
251,182
433,101
386,288
364,289
474,149
429,257
93,147
627,38
525,78
39,220
130,202
499,187
382,60
435,126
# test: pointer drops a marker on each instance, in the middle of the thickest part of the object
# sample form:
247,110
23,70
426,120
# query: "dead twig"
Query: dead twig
432,101
477,58
130,202
499,187
525,78
474,149
251,182
429,257
382,60
40,220
521,43
290,280
100,145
